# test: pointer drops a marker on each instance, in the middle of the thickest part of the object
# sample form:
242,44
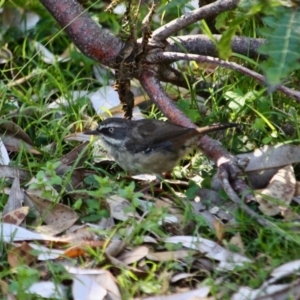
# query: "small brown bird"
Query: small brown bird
149,146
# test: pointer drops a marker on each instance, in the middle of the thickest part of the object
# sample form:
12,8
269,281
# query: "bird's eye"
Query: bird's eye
111,129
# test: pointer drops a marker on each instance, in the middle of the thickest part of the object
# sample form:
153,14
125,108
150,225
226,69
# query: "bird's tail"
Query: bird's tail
216,127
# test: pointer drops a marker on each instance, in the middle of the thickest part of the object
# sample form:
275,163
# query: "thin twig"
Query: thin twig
261,220
189,18
24,79
171,57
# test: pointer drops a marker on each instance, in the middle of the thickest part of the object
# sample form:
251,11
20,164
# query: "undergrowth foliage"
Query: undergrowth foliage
279,26
283,41
182,235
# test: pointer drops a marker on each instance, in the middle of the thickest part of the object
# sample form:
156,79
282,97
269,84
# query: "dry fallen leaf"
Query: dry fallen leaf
107,99
149,239
265,162
20,255
102,277
108,282
269,157
198,294
71,157
16,216
78,137
171,255
4,287
19,18
285,270
181,276
228,260
86,287
4,158
79,233
48,290
56,228
115,247
47,56
134,255
58,217
118,206
15,145
289,215
16,197
269,288
117,263
81,248
11,172
281,188
245,293
220,229
12,129
237,241
45,253
11,233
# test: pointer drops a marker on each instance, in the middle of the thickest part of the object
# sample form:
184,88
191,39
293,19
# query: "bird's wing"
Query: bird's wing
151,135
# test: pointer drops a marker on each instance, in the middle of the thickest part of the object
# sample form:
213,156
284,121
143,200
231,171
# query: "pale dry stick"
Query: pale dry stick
19,81
171,57
137,100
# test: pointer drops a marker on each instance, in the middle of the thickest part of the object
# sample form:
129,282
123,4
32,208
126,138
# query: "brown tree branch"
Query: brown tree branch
105,48
189,18
93,41
201,44
153,88
165,57
168,74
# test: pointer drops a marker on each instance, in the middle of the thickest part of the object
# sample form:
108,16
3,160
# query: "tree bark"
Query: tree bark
93,41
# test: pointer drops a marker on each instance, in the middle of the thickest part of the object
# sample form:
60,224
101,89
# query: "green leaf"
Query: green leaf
192,113
55,180
283,44
221,20
259,124
77,204
224,45
236,99
267,140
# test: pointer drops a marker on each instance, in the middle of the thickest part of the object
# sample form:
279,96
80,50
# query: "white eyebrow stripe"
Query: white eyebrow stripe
116,125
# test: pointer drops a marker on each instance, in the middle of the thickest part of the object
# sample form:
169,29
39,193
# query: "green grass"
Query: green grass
239,99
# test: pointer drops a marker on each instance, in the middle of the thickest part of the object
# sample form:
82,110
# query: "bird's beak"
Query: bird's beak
92,132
